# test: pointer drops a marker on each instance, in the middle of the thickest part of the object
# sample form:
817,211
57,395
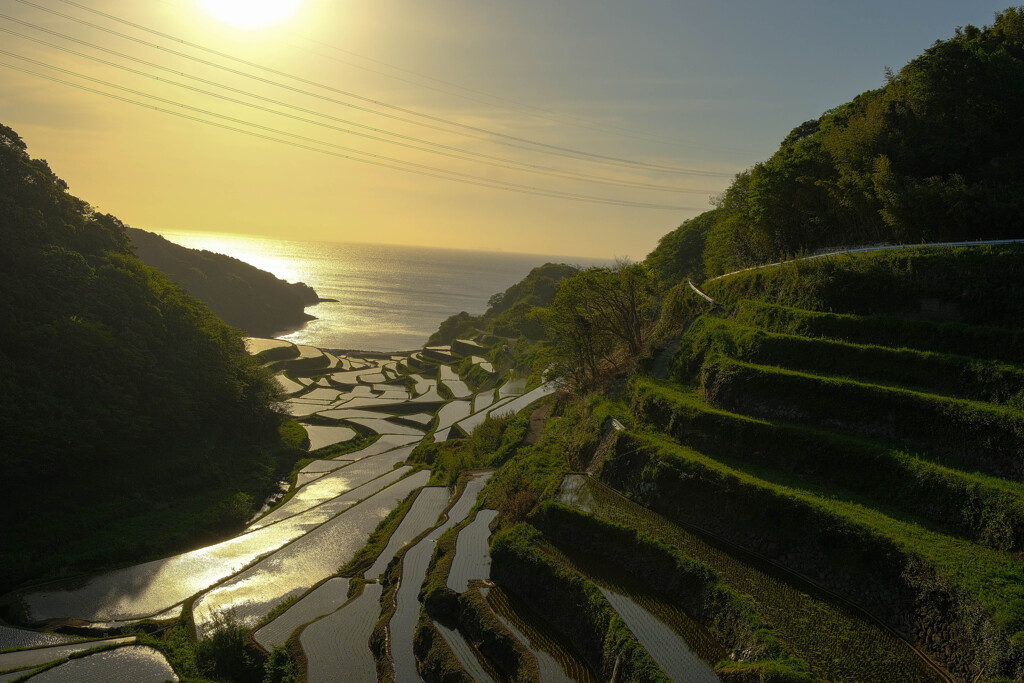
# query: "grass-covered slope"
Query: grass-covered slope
841,441
132,421
242,295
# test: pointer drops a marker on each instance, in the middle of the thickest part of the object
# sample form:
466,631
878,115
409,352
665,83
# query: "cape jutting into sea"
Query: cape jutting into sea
389,298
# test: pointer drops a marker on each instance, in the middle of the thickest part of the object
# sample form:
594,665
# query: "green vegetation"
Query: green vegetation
924,158
132,421
242,295
956,338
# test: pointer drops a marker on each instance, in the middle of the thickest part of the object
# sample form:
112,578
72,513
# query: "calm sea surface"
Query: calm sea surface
390,298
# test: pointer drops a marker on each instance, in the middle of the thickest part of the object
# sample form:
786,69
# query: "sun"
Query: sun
250,13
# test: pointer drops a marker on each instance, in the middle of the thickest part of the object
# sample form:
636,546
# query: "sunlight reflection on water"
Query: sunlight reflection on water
388,297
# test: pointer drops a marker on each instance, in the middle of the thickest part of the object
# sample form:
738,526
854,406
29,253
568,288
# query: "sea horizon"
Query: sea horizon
387,297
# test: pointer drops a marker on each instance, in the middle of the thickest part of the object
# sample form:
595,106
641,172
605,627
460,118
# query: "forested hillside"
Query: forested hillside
132,420
933,155
242,295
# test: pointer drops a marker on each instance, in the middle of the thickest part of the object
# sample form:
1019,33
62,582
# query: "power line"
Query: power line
458,153
510,104
509,139
375,159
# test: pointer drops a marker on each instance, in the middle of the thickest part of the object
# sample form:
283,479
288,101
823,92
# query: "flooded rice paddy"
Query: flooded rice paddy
402,626
424,513
296,567
29,659
555,657
472,552
11,637
135,663
465,653
322,600
333,506
339,642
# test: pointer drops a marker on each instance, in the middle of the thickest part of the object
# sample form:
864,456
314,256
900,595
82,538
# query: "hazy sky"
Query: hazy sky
632,114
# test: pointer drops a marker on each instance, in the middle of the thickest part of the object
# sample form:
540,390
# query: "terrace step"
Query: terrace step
897,480
977,436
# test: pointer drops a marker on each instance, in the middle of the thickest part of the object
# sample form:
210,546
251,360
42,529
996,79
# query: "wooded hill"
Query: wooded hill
253,300
933,155
132,420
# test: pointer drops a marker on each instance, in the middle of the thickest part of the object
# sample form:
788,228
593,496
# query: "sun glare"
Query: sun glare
250,13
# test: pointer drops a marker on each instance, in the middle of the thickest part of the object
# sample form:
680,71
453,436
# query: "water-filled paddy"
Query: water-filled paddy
324,599
414,570
464,653
340,641
11,637
521,402
320,436
296,567
452,412
29,659
288,386
384,426
513,387
664,645
256,345
135,663
328,490
556,661
423,514
152,587
472,553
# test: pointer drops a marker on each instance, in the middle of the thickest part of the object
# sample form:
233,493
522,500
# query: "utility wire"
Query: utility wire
375,159
460,154
510,139
510,104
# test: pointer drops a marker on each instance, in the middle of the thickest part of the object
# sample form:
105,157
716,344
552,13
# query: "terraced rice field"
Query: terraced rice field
482,400
452,412
298,566
402,626
554,656
813,627
322,600
666,647
287,385
472,552
11,637
512,387
423,514
340,641
517,404
321,436
385,426
329,488
465,653
23,660
134,663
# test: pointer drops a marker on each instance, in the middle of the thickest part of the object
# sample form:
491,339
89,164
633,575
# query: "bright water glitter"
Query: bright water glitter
390,298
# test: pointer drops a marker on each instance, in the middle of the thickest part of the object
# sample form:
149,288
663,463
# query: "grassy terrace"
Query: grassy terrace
809,627
941,373
977,341
975,506
838,433
975,435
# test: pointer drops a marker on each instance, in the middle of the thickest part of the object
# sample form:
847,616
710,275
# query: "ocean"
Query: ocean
389,298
